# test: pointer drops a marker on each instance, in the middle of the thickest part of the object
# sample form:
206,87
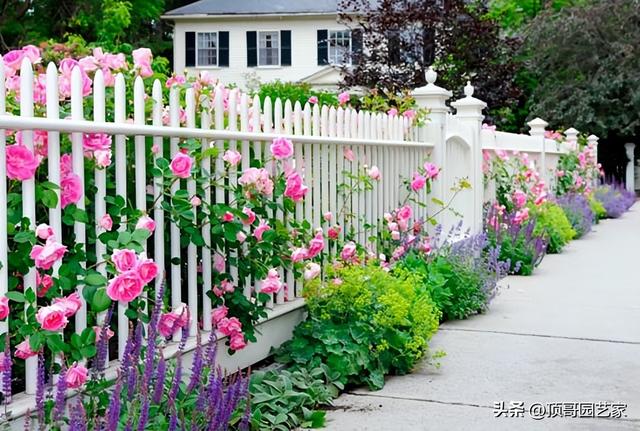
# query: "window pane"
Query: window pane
207,49
339,46
269,48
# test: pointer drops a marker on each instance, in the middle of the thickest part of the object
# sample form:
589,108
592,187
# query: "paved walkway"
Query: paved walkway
569,333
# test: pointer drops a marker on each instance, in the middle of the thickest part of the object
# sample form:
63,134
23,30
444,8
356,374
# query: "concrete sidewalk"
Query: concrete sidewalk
570,333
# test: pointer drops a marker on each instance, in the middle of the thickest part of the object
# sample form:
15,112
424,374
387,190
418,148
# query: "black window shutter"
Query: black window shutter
252,49
190,49
356,45
323,47
285,47
223,49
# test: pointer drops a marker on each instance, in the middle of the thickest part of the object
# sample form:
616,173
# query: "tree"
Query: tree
402,38
513,15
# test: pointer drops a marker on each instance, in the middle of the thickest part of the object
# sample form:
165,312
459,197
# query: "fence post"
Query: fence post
572,137
434,99
630,178
537,127
469,111
592,141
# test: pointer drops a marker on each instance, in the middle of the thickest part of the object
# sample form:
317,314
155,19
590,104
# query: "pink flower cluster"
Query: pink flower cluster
133,273
229,326
272,283
21,162
70,184
257,181
52,251
55,316
169,323
98,147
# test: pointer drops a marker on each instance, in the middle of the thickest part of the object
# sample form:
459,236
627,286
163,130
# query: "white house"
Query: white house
240,40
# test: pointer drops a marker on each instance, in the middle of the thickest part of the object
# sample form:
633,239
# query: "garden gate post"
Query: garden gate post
434,99
469,111
592,140
537,127
630,177
572,135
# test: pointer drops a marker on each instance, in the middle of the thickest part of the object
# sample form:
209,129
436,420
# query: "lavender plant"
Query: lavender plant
578,211
615,199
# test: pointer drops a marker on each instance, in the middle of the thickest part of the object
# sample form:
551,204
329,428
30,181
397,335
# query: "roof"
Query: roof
255,7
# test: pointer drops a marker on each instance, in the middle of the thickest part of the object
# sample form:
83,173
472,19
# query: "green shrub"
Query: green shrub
296,92
554,224
364,323
598,209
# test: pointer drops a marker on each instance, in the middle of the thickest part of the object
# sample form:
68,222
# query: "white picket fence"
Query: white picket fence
320,136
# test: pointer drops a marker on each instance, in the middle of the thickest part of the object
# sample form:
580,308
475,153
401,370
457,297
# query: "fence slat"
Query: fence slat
176,276
158,184
4,268
192,250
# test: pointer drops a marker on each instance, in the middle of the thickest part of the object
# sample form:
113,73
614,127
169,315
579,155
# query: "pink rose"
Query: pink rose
519,198
103,158
13,59
395,235
146,222
313,100
219,313
343,97
392,112
21,162
334,232
124,260
44,231
348,154
96,141
227,286
227,217
251,216
521,216
374,173
272,283
348,252
40,138
147,270
52,318
70,190
181,165
176,80
125,287
418,182
196,201
410,114
232,157
237,341
32,53
170,322
66,165
241,237
45,256
70,304
404,213
4,307
312,270
295,189
316,245
219,262
98,331
142,61
261,229
258,179
298,254
106,222
281,148
76,376
229,325
44,283
23,350
431,170
328,216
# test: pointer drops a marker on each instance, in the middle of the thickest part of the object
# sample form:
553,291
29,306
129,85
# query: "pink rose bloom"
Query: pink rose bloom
103,158
66,165
258,179
410,114
96,141
125,287
348,154
272,283
388,217
418,182
281,148
237,341
560,173
196,201
227,286
241,237
311,271
298,254
155,148
519,198
395,235
337,281
404,213
124,260
229,325
52,318
147,270
21,162
146,222
486,126
502,155
227,217
431,170
521,216
251,216
398,252
106,222
313,100
232,157
23,350
45,256
261,229
219,262
542,198
343,97
40,139
44,282
170,322
348,252
392,112
295,189
98,331
328,216
70,304
70,190
176,80
32,53
334,232
316,245
4,307
219,313
181,165
393,227
13,60
44,231
374,173
76,376
142,61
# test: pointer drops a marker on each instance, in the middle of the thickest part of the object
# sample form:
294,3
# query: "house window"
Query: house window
207,49
339,46
269,48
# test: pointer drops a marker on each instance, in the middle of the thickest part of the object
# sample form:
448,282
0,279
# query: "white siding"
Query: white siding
304,60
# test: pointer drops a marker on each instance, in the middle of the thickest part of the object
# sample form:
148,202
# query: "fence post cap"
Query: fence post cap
571,131
537,122
431,89
592,138
469,102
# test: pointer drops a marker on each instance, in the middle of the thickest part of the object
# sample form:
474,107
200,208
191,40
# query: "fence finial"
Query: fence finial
431,75
537,126
469,107
571,134
468,89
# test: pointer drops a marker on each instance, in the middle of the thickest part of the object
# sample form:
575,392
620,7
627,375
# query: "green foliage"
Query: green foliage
296,92
552,222
514,14
598,209
284,400
364,324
